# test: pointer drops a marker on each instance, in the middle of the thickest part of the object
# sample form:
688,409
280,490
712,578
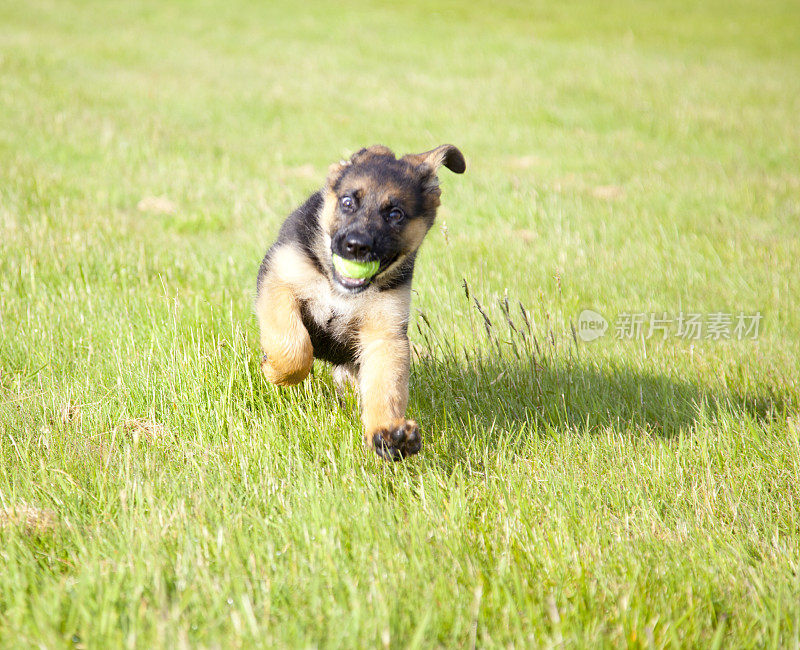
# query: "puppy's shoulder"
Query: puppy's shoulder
302,225
297,238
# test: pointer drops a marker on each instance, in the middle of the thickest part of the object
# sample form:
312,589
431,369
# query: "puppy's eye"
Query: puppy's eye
348,203
396,215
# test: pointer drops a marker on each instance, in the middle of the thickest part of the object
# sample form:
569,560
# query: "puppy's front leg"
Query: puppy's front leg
383,381
288,353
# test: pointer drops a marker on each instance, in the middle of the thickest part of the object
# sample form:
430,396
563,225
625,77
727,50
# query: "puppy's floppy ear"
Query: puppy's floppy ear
446,154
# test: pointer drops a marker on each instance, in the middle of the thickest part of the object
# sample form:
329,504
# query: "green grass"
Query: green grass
155,491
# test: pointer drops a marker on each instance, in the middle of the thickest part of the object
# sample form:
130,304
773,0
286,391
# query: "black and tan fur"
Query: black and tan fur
372,207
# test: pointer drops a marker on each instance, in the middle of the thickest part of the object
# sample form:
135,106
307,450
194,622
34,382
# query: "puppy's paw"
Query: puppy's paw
267,369
285,376
396,440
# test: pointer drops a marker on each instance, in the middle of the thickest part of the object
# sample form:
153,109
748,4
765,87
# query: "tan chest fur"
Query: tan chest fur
342,315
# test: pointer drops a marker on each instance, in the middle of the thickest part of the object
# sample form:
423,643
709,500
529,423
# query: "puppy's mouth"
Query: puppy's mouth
352,275
351,285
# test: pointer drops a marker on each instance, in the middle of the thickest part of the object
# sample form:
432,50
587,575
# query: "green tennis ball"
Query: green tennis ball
355,270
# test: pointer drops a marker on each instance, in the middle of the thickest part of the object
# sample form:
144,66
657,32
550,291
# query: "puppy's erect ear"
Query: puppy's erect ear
446,154
336,170
369,152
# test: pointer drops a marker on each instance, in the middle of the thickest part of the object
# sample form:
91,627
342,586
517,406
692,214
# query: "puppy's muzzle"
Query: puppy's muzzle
357,245
353,245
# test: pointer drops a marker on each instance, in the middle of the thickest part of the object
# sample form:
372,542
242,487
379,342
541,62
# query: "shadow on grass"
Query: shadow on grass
501,394
527,377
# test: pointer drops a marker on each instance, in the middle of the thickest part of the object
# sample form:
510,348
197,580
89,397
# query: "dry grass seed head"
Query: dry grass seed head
144,429
35,521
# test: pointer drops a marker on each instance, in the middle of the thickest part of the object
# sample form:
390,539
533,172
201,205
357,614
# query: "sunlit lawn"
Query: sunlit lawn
635,491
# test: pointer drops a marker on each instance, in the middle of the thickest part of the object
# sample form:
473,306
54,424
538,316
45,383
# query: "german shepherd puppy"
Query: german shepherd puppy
373,213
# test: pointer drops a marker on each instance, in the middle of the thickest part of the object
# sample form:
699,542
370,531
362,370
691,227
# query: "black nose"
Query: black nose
358,244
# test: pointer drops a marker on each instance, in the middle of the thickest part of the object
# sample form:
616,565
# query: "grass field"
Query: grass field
625,157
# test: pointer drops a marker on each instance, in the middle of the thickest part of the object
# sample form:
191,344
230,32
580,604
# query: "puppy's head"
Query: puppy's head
377,211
